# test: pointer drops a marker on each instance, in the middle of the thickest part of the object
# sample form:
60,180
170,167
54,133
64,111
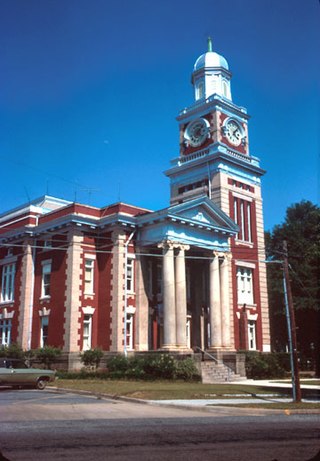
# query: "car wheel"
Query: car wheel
41,383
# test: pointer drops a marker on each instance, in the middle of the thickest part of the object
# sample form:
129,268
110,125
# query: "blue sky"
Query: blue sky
89,92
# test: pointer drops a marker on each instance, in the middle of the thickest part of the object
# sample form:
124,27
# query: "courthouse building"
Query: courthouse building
124,278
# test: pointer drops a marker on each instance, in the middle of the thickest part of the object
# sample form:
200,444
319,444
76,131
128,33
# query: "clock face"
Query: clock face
233,132
197,132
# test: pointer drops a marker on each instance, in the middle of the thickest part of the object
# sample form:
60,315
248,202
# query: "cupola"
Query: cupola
211,75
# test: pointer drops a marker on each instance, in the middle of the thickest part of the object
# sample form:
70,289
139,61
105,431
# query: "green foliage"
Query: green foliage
261,365
301,230
13,351
186,370
92,357
83,374
47,355
151,367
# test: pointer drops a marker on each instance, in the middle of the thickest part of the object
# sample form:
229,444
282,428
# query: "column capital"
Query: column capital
227,257
182,246
166,245
170,244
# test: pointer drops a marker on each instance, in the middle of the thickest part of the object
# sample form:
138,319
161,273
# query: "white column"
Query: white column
169,305
142,312
181,296
225,301
215,306
26,297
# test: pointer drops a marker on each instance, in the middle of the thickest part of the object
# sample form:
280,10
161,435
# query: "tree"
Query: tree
301,230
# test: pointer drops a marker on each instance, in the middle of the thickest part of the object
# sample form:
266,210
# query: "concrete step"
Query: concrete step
212,372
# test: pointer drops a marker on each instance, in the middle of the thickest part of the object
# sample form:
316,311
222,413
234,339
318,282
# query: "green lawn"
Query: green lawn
162,390
165,390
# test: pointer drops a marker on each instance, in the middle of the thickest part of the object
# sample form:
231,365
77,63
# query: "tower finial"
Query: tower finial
209,44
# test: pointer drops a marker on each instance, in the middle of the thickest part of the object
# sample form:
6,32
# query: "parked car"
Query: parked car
16,373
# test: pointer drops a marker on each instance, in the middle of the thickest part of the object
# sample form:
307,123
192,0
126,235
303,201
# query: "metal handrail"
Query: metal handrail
230,370
207,353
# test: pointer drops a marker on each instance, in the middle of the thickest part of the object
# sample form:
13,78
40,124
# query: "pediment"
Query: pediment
202,211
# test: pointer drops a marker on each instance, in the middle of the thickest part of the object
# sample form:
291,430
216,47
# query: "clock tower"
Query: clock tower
215,161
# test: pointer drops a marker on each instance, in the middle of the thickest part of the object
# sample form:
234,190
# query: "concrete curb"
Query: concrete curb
202,408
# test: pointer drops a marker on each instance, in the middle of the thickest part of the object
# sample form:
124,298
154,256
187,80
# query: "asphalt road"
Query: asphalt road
51,425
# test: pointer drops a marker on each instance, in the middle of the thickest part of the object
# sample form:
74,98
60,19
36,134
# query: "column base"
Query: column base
175,348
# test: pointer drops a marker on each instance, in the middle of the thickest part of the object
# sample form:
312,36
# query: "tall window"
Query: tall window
88,276
46,278
243,217
252,335
44,331
7,282
129,333
5,332
225,88
200,90
244,285
87,332
130,275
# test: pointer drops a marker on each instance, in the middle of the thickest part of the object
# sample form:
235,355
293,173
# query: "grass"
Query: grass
287,406
165,390
161,390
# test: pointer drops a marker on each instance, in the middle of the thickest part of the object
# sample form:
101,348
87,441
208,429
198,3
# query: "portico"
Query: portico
193,306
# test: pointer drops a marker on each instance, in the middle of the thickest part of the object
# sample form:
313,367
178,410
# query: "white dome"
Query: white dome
210,59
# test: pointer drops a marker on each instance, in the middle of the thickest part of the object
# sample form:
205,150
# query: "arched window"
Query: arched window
200,90
225,88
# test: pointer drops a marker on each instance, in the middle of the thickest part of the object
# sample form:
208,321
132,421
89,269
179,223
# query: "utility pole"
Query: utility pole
296,390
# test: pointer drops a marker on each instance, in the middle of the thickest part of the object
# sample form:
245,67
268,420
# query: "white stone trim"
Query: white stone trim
242,196
5,315
245,264
252,317
89,256
44,312
131,310
88,310
8,260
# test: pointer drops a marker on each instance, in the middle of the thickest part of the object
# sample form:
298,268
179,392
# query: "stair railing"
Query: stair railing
230,371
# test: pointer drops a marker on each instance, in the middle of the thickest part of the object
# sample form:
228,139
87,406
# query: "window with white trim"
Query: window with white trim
129,332
44,331
7,282
252,345
46,279
87,332
225,88
243,217
244,285
88,275
200,90
5,332
130,275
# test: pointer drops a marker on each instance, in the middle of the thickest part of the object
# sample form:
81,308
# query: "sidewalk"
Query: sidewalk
231,399
276,384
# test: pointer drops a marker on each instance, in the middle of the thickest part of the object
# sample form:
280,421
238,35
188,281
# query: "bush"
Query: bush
47,355
187,370
83,374
13,351
91,358
152,367
261,365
